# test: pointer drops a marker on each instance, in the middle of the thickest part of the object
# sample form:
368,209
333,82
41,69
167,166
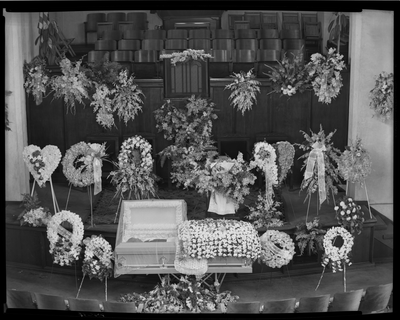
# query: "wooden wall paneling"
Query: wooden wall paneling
334,115
46,126
261,113
31,239
289,117
225,124
82,123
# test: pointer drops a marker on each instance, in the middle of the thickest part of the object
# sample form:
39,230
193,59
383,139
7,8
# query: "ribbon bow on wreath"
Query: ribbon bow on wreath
316,156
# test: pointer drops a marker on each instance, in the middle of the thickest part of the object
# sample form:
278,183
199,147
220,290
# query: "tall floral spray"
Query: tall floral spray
320,158
244,90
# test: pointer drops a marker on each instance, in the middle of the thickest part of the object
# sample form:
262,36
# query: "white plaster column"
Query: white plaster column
20,34
372,51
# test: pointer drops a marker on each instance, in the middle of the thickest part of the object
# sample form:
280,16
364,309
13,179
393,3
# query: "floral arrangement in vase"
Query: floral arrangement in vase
185,56
325,74
349,215
310,236
98,256
290,76
320,158
244,90
189,128
233,183
355,163
186,295
382,96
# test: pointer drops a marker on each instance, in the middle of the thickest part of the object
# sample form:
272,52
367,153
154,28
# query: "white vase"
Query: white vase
221,204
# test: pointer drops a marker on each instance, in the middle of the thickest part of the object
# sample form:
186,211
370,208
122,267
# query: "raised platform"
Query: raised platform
29,246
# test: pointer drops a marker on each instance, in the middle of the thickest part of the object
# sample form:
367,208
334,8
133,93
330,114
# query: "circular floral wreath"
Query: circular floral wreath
333,254
83,153
66,247
134,174
272,255
97,261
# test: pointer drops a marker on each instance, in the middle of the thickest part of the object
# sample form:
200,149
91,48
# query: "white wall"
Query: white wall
20,34
372,45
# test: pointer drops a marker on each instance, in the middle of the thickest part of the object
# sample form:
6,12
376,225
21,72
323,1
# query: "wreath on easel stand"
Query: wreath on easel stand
97,261
354,166
277,248
82,167
65,245
135,171
337,257
41,164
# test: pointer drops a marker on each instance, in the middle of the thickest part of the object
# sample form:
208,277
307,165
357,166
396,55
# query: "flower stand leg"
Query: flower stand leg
116,213
322,274
33,187
69,192
344,277
80,286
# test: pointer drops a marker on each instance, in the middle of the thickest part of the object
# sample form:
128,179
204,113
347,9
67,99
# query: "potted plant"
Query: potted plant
48,38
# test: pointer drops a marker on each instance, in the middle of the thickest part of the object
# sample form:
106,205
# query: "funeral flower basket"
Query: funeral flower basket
229,177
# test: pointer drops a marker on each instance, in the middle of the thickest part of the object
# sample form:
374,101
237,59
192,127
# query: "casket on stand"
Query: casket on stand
146,234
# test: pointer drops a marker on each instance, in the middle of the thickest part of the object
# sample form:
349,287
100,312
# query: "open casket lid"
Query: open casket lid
149,220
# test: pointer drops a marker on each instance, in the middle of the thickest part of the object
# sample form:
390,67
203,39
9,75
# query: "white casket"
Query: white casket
146,239
147,230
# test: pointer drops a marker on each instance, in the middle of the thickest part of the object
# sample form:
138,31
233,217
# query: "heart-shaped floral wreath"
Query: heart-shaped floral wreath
41,163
